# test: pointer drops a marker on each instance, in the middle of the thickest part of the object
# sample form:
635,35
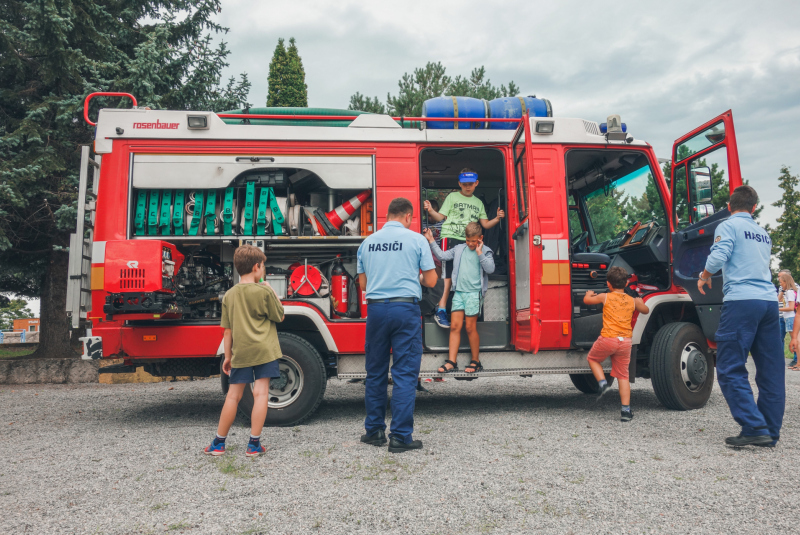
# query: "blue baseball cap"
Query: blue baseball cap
468,177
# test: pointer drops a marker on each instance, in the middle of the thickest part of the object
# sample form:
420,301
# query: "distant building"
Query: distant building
30,325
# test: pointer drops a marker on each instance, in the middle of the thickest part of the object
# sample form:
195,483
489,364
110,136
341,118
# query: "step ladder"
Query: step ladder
79,293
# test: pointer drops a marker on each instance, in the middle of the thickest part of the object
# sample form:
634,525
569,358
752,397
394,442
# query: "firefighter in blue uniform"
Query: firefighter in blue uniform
749,322
389,265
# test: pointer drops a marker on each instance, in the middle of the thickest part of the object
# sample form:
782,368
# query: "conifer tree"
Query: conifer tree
786,236
52,54
296,88
287,79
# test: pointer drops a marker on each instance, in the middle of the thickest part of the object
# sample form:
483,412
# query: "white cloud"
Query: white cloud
665,67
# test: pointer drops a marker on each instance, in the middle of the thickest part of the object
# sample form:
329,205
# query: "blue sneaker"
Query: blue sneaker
255,451
215,449
441,319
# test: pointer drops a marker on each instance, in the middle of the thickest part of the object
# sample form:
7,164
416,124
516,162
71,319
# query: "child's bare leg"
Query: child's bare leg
624,391
229,409
456,322
261,398
443,300
471,323
597,370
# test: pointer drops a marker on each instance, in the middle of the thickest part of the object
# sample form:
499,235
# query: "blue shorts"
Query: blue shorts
469,302
251,373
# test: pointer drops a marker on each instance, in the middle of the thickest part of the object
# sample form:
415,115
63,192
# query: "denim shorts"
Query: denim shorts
251,373
469,302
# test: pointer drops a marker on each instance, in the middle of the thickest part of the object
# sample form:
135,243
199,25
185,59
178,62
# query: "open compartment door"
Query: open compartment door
705,171
527,240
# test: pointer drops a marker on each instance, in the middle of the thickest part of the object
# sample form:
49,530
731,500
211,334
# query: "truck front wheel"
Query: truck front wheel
681,368
296,394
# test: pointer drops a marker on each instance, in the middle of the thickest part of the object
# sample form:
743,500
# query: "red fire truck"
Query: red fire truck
173,193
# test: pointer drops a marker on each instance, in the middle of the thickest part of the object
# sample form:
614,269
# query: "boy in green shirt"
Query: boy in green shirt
458,209
249,313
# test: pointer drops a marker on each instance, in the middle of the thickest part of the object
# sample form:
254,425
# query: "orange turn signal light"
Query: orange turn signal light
149,338
565,328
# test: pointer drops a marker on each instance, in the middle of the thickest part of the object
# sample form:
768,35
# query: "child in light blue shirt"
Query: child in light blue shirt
472,264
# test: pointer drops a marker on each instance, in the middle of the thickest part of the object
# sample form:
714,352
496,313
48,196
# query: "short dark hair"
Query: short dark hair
434,204
473,229
617,277
400,207
743,198
246,257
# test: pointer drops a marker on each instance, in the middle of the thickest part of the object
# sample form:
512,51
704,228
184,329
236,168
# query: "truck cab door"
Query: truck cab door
705,171
527,240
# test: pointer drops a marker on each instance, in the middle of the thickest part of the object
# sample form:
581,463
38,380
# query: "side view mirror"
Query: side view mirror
703,211
701,184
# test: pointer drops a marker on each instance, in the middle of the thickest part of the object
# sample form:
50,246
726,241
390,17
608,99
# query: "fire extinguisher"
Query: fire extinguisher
362,297
340,280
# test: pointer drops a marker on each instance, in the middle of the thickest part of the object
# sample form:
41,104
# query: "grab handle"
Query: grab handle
103,94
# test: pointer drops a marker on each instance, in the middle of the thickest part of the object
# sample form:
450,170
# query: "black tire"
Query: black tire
681,367
294,407
586,383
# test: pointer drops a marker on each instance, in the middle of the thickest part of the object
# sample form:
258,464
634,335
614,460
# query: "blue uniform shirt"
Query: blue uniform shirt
742,251
392,259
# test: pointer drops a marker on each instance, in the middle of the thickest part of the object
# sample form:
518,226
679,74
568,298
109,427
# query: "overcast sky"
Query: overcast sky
665,67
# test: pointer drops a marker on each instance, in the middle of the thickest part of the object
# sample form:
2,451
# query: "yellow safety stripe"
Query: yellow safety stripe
455,112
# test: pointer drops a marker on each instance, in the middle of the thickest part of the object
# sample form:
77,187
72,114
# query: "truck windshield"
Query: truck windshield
618,204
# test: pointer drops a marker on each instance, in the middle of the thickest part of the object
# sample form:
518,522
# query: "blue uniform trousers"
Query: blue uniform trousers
746,326
394,331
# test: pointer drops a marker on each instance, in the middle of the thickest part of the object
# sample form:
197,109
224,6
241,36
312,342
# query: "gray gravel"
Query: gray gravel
502,455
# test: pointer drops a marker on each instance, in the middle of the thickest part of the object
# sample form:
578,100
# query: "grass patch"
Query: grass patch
158,506
15,352
231,466
180,525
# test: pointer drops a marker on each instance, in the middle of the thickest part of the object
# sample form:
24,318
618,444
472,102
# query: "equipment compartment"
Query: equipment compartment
254,197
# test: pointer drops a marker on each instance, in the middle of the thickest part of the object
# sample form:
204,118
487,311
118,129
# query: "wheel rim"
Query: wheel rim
694,367
285,390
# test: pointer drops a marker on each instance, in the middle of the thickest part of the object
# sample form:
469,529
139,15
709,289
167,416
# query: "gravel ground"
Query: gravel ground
502,455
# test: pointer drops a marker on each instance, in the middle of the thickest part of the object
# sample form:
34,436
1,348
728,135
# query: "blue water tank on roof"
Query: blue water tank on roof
460,107
515,108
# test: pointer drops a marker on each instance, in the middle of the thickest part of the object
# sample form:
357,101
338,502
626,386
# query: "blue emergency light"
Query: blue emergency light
604,128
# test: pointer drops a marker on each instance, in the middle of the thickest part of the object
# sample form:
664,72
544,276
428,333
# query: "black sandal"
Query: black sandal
443,368
475,365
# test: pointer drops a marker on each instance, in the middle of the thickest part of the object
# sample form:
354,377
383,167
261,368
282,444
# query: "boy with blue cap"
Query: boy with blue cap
458,210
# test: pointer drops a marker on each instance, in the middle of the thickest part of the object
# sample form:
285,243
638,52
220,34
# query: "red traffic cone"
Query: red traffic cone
345,211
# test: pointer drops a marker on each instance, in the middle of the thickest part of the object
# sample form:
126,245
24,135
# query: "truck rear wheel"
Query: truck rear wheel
681,368
296,394
586,383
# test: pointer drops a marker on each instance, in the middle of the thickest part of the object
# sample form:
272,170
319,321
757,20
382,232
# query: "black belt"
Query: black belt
394,300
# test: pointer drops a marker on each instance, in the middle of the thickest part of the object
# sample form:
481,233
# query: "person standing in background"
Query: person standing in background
787,299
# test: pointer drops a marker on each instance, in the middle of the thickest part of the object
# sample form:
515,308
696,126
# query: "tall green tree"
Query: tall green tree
432,81
12,309
52,54
786,235
287,78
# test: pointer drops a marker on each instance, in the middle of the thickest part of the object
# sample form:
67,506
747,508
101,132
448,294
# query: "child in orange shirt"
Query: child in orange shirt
615,338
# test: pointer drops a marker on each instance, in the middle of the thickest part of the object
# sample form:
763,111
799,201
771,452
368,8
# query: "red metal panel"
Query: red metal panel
397,175
172,341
